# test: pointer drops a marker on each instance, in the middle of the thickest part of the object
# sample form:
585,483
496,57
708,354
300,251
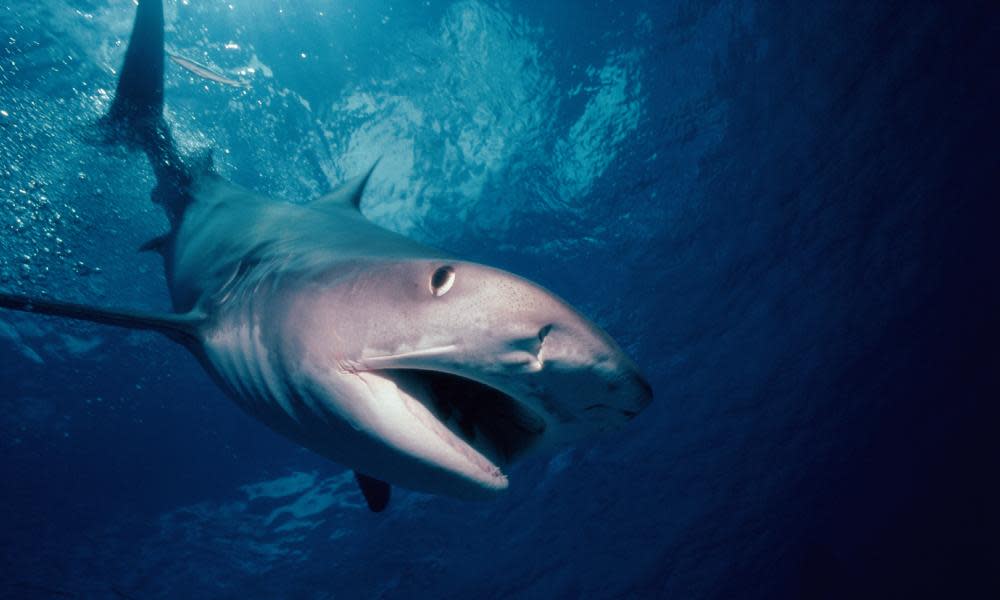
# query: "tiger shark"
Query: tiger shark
400,361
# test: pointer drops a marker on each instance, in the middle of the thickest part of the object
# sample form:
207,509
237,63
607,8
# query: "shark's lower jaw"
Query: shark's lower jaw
479,426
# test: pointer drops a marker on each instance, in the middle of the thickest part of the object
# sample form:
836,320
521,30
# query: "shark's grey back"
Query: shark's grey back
229,234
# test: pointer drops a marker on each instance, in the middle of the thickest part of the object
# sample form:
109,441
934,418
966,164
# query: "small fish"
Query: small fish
206,72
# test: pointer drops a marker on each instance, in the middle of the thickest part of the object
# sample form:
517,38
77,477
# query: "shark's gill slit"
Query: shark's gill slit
472,410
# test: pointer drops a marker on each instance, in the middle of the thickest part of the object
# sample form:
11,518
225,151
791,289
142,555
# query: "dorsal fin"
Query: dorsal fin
347,194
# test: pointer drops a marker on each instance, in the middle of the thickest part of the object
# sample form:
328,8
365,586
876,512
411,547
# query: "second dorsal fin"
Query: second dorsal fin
346,194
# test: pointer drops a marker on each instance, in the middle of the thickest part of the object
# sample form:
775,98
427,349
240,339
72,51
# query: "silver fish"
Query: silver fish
206,72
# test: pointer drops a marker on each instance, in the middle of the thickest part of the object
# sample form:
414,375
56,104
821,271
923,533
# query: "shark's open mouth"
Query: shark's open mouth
490,421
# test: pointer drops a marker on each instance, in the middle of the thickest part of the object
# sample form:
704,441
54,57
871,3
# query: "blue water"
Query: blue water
778,209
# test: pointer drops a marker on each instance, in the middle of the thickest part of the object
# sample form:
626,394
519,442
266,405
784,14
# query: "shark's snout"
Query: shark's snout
580,360
638,394
643,384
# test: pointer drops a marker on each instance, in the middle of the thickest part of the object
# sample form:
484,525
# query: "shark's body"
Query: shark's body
386,355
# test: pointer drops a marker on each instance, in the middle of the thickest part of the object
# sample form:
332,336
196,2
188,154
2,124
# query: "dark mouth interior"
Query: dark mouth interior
472,409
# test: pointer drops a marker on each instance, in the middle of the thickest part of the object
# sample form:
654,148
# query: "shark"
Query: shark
402,362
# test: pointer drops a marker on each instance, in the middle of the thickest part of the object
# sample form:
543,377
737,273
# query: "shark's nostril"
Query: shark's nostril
543,332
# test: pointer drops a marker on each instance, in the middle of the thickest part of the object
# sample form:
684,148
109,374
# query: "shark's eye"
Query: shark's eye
442,280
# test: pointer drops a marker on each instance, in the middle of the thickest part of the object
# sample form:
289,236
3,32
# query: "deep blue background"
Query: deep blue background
782,210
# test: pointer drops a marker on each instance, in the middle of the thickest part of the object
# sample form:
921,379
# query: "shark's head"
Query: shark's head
447,371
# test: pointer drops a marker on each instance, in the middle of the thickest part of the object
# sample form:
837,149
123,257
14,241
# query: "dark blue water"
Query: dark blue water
780,210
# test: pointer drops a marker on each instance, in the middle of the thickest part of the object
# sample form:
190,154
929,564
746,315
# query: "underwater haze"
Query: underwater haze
779,209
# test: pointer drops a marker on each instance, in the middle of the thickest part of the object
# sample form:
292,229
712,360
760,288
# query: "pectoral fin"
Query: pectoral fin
376,492
182,328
